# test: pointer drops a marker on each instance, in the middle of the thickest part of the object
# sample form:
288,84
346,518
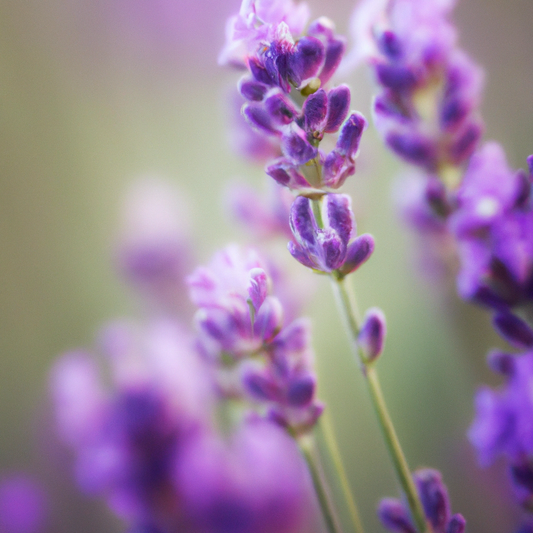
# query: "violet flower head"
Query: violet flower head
492,224
22,505
236,315
395,517
327,245
126,438
254,483
427,110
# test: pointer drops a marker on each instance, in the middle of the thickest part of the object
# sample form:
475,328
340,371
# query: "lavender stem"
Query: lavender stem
329,435
307,446
349,311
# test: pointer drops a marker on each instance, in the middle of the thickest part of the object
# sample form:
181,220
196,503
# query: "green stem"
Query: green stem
319,482
331,442
349,311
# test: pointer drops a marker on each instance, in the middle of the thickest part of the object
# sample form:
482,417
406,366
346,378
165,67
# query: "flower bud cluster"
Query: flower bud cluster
242,332
286,95
395,517
427,110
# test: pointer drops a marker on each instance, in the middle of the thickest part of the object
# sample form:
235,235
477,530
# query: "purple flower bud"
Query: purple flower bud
268,320
358,253
389,45
372,334
434,497
258,287
261,387
350,135
522,476
335,49
306,59
314,111
394,516
338,105
280,109
252,90
396,77
337,168
514,330
301,390
296,147
466,143
260,119
287,174
457,524
530,165
324,248
414,148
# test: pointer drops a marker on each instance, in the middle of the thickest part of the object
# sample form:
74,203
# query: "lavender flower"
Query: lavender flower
127,439
395,517
241,331
255,483
427,110
328,247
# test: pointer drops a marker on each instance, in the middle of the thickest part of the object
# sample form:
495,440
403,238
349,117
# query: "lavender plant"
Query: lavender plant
212,430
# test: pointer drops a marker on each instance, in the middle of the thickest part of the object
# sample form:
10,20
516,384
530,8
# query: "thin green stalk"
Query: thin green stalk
349,312
321,488
333,449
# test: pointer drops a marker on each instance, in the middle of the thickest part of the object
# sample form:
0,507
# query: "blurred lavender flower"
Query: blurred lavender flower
253,483
328,246
154,250
427,111
395,517
22,505
127,439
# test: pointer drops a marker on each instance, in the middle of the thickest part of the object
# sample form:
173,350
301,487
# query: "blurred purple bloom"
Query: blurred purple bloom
395,516
372,335
427,111
22,505
330,247
127,439
255,483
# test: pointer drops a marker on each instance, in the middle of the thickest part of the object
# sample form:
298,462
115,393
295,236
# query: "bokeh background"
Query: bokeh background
94,93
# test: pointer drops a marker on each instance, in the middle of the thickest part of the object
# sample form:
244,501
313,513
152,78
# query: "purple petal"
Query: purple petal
434,497
314,111
259,119
334,51
252,90
372,334
503,363
269,319
295,146
466,143
337,168
302,221
530,165
301,391
280,109
389,45
338,105
514,330
394,516
396,77
332,250
260,387
359,251
457,524
413,148
259,72
287,174
306,59
300,255
337,213
350,136
258,287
